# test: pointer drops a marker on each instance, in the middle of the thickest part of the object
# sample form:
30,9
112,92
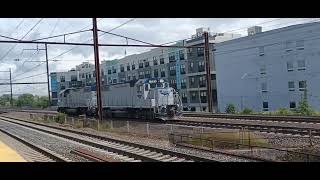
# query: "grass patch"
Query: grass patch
228,140
78,124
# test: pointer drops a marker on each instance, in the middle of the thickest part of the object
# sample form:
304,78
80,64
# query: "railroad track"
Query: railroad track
299,119
255,127
135,152
45,154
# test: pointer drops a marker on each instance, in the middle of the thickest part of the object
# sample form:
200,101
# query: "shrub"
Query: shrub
304,108
282,111
247,111
60,118
230,109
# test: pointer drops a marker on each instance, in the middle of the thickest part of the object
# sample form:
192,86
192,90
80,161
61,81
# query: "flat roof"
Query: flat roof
266,33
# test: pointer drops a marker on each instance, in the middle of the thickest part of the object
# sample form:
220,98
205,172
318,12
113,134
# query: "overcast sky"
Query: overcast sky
156,31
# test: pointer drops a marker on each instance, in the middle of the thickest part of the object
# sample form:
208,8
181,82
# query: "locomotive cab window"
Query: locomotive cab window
153,85
160,85
146,87
139,88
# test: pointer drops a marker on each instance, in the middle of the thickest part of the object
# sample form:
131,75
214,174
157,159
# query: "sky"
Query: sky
25,61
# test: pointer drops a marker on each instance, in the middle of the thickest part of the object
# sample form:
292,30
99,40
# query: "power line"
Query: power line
105,32
20,39
29,70
92,39
54,28
60,35
29,76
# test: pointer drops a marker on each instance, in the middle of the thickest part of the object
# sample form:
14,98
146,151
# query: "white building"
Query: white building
269,70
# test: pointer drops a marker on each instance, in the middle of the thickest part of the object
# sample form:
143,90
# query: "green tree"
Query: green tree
304,108
4,100
230,109
25,100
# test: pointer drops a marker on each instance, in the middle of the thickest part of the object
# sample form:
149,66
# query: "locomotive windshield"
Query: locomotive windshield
156,83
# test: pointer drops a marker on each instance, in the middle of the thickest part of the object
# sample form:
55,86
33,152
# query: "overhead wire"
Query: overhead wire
20,40
92,39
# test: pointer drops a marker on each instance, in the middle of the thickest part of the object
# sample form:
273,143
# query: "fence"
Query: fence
255,151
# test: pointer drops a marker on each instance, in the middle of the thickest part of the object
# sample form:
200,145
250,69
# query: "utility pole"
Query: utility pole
208,70
49,96
97,68
11,102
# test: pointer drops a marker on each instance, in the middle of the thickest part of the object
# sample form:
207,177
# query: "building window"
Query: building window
172,70
155,62
200,51
191,66
94,74
140,65
202,81
83,75
114,81
263,69
203,96
289,46
62,87
300,45
147,74
183,84
184,98
128,77
121,68
109,71
163,73
133,67
62,79
181,54
264,87
302,85
114,70
172,57
146,64
192,80
292,105
128,67
291,85
134,76
182,69
156,73
201,66
190,51
161,59
89,75
290,66
265,106
141,75
301,65
261,51
193,96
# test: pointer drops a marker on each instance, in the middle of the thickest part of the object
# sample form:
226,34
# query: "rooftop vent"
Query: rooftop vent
254,30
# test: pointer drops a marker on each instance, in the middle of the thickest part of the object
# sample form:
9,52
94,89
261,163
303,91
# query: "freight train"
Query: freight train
143,98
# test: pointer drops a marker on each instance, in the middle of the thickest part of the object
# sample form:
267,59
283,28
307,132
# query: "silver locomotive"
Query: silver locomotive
145,98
